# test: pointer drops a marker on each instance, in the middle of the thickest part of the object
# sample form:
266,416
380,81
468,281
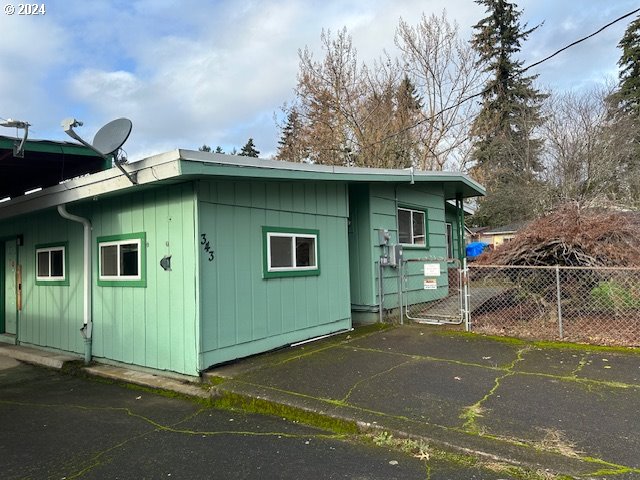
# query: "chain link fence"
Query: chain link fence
589,305
432,290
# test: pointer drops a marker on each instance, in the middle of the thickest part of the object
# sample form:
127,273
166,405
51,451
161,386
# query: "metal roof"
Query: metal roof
180,165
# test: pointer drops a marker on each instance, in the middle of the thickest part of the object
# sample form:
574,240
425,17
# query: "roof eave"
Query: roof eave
186,164
204,163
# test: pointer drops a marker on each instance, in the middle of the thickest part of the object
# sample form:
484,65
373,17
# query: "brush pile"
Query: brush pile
576,237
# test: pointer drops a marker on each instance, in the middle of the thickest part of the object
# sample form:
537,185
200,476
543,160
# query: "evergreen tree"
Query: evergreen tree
628,95
249,149
219,149
625,117
506,152
290,145
205,148
408,108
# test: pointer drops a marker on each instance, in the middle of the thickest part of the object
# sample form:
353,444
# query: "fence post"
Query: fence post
559,297
466,294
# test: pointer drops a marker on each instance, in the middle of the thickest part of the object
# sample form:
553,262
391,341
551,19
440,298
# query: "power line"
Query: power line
535,64
582,39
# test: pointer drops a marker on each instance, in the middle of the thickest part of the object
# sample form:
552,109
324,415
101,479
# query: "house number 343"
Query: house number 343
206,246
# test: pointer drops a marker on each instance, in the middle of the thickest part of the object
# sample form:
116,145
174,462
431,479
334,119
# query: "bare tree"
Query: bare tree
443,68
394,113
587,149
328,94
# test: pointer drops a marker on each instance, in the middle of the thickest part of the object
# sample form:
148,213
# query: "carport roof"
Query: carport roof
180,165
45,164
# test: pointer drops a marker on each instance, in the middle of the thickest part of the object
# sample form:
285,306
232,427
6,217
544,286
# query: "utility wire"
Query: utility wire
470,97
582,39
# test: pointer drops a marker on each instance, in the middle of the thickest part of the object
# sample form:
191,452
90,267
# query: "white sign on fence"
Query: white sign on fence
431,269
430,283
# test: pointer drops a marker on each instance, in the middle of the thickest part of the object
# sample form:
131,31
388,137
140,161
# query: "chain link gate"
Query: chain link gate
433,290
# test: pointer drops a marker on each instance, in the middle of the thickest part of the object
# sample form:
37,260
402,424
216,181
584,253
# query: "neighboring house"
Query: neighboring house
499,235
212,257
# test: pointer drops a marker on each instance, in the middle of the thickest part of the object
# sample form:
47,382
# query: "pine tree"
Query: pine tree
506,152
249,149
290,145
219,149
205,148
628,95
408,107
625,116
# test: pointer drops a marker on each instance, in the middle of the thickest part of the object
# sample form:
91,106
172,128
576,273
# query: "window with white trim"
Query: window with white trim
411,227
121,260
290,252
51,264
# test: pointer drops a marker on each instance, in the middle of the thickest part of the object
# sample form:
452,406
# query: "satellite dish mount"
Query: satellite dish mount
108,141
18,148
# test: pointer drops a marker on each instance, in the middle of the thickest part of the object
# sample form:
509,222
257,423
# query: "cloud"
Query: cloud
215,71
30,52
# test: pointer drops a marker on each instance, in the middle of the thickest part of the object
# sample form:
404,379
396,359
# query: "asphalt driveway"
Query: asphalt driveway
572,409
60,426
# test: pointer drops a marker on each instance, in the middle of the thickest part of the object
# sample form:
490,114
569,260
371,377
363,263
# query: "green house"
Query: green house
210,257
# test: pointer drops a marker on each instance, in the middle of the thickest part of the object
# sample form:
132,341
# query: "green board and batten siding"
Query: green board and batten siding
153,326
243,313
51,315
156,326
373,207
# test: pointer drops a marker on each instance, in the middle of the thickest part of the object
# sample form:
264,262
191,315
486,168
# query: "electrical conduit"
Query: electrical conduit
86,329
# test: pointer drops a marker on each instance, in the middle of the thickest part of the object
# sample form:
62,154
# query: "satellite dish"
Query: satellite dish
112,136
108,140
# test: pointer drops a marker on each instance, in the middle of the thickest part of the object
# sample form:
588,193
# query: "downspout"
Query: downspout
88,324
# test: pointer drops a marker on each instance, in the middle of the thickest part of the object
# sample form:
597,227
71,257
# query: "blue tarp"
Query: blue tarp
475,248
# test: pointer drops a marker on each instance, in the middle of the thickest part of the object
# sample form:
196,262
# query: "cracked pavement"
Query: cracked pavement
571,409
60,426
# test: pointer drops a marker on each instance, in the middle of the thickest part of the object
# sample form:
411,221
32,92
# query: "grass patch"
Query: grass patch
556,441
543,344
478,336
214,380
423,451
233,401
583,347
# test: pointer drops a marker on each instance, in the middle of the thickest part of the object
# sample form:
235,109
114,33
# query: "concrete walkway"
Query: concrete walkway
572,411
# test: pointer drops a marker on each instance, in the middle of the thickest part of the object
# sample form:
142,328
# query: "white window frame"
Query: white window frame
412,233
293,237
118,276
51,278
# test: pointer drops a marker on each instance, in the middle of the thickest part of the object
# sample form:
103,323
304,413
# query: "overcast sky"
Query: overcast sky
216,71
